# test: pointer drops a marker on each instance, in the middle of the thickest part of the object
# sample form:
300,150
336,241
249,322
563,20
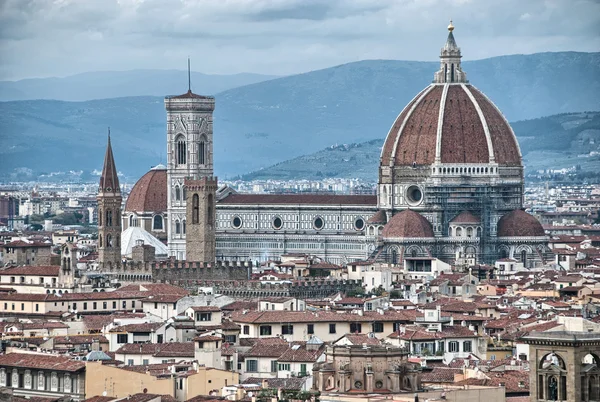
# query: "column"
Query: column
67,383
54,382
15,378
2,377
28,383
41,381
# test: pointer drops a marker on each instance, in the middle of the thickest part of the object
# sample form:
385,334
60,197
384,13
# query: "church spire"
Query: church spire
109,182
450,69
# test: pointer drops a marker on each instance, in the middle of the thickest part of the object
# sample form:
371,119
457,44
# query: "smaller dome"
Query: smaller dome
519,223
466,217
149,194
379,218
408,224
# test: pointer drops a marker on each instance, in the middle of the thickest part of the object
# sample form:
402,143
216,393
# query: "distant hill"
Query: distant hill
555,142
117,84
259,125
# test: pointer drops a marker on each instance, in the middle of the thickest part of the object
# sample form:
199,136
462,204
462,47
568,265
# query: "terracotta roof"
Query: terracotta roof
206,309
171,349
514,381
318,199
41,361
145,327
149,194
291,317
189,95
440,375
413,136
39,270
21,243
360,339
268,347
465,217
379,217
79,339
109,178
408,224
519,223
420,333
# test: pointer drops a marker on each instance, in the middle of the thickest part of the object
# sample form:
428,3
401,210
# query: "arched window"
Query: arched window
181,150
458,232
157,222
177,227
109,241
394,256
183,226
99,217
183,193
478,232
195,208
524,256
209,210
177,193
131,220
100,241
469,232
201,152
109,218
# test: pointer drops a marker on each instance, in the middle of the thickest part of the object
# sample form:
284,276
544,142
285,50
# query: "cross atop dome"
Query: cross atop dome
450,69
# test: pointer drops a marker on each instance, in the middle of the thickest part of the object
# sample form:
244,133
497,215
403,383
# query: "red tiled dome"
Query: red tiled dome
407,223
473,130
519,223
379,218
149,194
465,217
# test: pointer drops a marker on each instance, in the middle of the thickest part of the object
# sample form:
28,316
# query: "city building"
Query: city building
450,187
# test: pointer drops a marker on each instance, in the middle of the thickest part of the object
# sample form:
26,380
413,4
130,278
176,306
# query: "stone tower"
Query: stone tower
189,156
200,215
564,366
109,214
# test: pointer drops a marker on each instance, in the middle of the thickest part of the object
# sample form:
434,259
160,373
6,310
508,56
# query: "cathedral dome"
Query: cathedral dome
149,194
450,121
407,224
519,223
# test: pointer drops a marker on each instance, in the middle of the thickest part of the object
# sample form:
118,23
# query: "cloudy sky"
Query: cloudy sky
42,38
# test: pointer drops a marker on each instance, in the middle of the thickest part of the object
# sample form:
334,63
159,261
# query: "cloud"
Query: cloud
56,38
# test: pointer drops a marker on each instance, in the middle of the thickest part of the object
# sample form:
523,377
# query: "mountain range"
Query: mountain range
118,84
265,123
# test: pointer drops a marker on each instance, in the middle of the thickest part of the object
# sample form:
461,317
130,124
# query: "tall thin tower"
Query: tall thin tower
109,213
190,158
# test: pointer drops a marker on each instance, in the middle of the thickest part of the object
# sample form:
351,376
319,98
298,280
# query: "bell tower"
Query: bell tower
109,214
189,156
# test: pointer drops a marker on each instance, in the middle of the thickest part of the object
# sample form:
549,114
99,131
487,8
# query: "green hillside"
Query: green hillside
552,142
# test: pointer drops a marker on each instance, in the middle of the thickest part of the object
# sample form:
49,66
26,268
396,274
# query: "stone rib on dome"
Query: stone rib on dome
149,194
470,123
519,223
408,224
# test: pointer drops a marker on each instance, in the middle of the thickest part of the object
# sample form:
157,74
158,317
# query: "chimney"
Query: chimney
95,345
265,384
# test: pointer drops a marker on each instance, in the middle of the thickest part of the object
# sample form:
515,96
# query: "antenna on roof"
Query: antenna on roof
189,77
